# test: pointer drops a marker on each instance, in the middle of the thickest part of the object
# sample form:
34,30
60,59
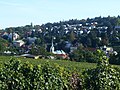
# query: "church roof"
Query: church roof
59,52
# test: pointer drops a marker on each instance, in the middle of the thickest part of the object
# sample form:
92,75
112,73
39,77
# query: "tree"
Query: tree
89,42
38,50
72,36
118,22
115,59
3,45
105,39
104,76
38,41
81,55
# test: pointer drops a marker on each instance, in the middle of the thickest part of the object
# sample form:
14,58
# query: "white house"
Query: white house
14,36
30,56
18,43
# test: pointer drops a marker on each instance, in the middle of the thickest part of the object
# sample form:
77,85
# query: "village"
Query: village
60,39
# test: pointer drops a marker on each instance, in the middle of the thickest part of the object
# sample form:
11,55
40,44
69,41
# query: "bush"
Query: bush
76,82
17,76
115,59
103,77
81,55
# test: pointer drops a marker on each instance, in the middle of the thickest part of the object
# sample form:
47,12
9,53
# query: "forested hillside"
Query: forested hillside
86,34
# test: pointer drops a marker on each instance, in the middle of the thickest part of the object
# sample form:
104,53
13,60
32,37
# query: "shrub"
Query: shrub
76,82
17,76
81,55
103,77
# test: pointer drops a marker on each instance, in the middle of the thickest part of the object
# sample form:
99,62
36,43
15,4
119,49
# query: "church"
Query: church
59,53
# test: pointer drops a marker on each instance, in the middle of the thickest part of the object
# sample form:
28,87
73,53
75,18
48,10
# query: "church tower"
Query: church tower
52,47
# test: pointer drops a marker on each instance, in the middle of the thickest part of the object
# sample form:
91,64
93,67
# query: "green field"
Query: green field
73,66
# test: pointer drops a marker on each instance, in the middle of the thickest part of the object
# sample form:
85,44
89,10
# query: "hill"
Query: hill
71,65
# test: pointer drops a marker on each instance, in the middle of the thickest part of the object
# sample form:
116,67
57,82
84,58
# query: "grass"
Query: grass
73,66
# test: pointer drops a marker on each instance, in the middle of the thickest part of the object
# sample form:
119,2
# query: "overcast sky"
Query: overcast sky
15,13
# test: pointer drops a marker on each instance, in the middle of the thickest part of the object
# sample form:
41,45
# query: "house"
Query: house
30,56
60,53
7,52
107,50
31,40
67,44
18,43
13,36
117,27
72,49
4,33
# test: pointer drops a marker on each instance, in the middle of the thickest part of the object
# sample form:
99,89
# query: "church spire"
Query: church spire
52,47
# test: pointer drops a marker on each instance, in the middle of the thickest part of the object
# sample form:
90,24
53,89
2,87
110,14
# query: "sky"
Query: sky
15,13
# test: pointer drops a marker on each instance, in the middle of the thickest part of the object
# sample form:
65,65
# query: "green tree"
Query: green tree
72,36
103,77
39,50
38,41
24,76
3,45
118,22
115,59
105,39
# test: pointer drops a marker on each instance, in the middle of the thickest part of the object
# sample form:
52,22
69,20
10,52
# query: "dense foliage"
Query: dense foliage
15,75
44,32
103,77
3,45
115,59
83,55
39,50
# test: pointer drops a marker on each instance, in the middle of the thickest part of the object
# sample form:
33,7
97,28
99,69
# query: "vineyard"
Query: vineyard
31,74
78,66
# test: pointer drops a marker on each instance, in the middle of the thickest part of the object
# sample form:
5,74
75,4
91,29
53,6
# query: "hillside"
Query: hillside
71,65
86,34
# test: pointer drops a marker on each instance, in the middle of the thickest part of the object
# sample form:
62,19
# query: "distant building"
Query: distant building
31,40
13,36
59,53
30,56
18,43
7,52
107,50
117,27
72,49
